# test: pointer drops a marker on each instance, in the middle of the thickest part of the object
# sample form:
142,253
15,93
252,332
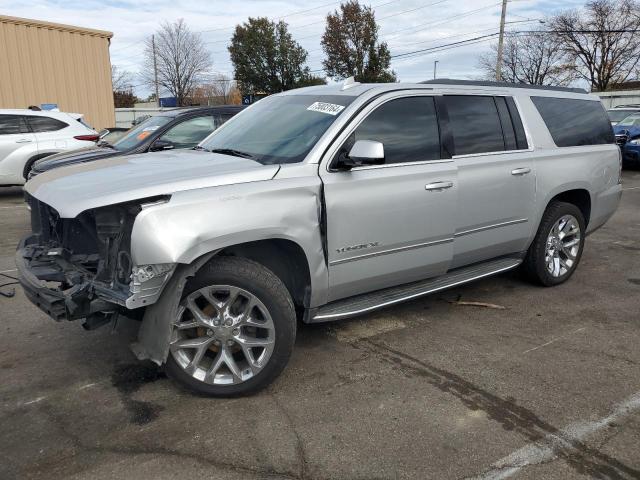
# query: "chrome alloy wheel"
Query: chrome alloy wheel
563,246
222,335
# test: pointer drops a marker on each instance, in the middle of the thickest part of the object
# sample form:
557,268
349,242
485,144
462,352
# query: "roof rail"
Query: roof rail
482,83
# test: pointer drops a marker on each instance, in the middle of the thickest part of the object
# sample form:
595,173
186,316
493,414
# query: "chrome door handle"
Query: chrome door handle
521,171
437,186
24,140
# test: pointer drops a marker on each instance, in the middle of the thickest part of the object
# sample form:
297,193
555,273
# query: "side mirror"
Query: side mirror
363,152
159,145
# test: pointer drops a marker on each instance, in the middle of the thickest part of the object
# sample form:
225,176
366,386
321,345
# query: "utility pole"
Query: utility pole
155,68
501,41
435,69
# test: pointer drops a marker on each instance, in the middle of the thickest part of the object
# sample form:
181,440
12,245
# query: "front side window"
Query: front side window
278,129
475,124
40,124
407,127
189,133
12,125
574,122
138,134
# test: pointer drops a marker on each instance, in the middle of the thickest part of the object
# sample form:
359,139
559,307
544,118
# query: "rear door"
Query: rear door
52,135
390,224
496,176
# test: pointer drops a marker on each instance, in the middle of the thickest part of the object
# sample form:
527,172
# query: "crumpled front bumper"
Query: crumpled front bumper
42,280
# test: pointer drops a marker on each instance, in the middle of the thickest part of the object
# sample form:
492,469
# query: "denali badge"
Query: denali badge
357,247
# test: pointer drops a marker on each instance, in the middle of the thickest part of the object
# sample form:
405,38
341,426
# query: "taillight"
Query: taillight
88,138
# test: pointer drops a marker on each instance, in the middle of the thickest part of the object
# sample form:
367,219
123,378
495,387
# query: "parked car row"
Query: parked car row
27,136
315,205
32,142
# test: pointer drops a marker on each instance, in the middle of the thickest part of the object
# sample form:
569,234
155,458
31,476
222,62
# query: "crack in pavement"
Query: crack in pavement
302,459
80,445
512,417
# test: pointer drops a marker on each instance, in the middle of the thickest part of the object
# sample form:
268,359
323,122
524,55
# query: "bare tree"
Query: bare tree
222,86
181,59
603,39
220,89
534,58
120,79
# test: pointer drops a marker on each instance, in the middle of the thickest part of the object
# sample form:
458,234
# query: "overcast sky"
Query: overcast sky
406,25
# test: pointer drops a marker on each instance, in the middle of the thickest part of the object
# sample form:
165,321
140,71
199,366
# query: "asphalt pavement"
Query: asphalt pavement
543,384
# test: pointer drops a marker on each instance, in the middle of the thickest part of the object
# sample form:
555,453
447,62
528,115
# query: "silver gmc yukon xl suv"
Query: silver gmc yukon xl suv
319,204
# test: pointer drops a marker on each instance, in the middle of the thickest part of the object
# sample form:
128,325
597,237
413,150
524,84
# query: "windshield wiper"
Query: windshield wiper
231,151
104,143
198,147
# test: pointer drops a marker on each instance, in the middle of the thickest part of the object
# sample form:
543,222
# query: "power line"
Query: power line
440,47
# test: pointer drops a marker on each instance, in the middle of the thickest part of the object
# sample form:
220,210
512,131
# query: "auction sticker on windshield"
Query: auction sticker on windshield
329,108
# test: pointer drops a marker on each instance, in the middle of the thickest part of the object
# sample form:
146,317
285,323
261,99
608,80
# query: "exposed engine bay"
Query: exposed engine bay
81,268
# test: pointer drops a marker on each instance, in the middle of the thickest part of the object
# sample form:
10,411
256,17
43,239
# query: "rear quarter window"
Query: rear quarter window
573,122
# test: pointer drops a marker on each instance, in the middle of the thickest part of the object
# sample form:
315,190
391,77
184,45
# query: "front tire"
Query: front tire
235,329
557,247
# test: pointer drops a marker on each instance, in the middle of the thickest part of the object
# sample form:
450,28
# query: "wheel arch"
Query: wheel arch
285,258
580,197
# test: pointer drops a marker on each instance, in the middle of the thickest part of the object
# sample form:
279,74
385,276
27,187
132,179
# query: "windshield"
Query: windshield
630,121
617,115
137,134
278,129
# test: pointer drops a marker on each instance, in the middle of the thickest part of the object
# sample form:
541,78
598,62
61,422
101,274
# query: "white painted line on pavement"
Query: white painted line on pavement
15,206
564,440
8,271
554,340
631,188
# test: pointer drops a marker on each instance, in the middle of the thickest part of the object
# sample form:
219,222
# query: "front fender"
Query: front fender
194,223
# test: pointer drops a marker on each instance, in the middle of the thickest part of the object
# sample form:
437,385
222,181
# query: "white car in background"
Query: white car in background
29,135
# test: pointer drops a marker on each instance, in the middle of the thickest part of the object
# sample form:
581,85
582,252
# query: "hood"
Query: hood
76,156
76,188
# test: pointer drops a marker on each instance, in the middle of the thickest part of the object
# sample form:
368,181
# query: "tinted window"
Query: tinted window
508,132
45,124
12,124
521,137
407,127
575,122
189,133
475,124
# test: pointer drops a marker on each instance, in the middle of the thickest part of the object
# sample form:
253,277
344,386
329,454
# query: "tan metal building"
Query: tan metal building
42,62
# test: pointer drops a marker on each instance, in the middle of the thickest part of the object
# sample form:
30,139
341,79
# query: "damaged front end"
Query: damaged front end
81,268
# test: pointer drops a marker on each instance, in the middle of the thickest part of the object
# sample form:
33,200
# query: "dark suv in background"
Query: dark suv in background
174,129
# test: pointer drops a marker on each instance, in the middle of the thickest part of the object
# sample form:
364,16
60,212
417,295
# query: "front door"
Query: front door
17,145
393,223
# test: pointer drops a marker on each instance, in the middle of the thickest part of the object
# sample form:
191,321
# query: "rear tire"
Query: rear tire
557,247
236,329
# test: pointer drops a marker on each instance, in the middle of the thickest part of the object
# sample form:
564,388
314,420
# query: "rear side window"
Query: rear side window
45,124
475,124
12,124
574,123
407,127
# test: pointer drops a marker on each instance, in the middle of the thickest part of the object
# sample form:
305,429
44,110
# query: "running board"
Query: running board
367,302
